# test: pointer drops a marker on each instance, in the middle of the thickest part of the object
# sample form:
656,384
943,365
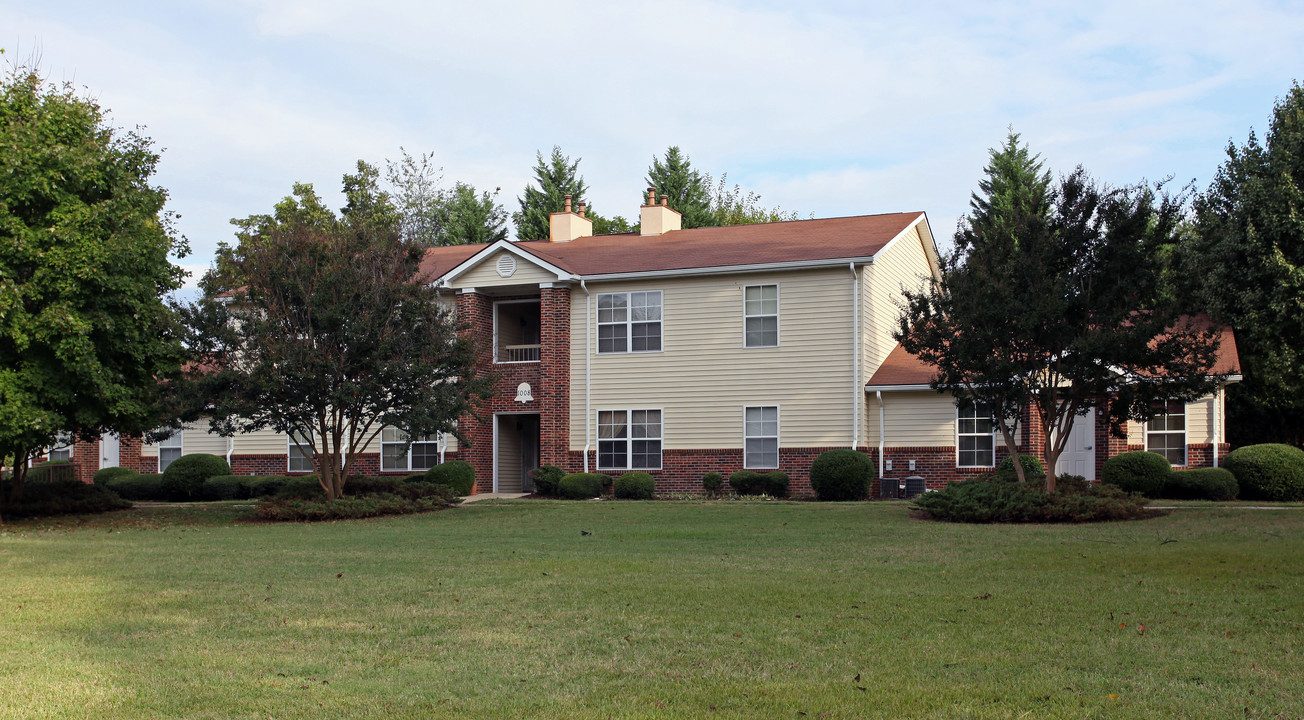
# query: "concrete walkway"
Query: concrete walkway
492,496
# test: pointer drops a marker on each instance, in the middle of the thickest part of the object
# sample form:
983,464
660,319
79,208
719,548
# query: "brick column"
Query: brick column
476,312
553,393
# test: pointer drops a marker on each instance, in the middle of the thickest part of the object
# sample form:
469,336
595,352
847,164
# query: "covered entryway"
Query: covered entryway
516,451
1079,456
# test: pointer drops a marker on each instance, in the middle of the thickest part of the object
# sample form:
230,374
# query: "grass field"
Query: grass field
667,610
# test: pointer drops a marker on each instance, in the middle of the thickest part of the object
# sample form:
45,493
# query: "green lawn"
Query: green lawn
667,610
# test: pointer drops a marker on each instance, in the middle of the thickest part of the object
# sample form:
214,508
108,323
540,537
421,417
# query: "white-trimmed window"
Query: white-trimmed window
761,316
629,322
629,439
1166,432
299,451
975,428
422,454
761,437
169,449
62,449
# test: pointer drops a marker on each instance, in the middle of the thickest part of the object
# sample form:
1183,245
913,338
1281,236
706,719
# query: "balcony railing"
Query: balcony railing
518,353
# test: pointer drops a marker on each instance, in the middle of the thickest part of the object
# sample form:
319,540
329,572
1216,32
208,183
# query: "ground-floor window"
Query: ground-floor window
761,437
300,451
975,438
62,449
396,454
169,449
1166,432
629,439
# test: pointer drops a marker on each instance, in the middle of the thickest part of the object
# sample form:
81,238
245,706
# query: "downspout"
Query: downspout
588,360
879,393
230,449
859,395
1217,421
443,446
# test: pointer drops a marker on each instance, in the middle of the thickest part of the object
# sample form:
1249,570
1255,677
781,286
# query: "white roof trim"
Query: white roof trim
731,269
929,246
501,245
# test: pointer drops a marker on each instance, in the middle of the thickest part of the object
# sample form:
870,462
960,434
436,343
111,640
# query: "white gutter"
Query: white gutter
230,450
443,446
730,269
858,393
588,374
1217,420
879,394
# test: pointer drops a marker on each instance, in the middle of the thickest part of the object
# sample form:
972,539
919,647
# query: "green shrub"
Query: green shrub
986,500
302,487
104,475
62,497
712,482
145,486
456,474
1137,471
1201,484
636,485
225,487
581,486
746,482
415,477
841,475
410,498
1033,470
264,485
775,483
53,471
1067,483
184,478
546,479
1268,472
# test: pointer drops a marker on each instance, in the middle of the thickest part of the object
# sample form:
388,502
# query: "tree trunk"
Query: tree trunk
19,477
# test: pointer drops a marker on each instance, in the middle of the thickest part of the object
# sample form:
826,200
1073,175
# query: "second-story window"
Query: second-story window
761,316
629,322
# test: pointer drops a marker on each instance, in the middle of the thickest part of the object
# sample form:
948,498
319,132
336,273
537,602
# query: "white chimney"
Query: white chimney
566,225
654,219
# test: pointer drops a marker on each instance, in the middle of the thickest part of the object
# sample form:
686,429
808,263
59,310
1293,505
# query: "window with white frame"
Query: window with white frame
629,439
761,316
62,449
629,322
299,451
975,438
1166,432
169,449
396,454
761,437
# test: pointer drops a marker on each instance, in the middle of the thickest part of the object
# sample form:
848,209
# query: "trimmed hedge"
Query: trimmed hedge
636,485
104,475
1033,470
987,500
456,474
582,486
375,497
546,479
55,471
841,475
186,475
1268,472
712,482
144,486
1201,484
750,482
1138,471
62,497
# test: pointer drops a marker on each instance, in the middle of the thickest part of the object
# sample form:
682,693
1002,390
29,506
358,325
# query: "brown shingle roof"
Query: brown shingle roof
794,241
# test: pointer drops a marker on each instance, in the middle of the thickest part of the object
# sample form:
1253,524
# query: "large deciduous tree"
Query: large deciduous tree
1052,303
333,336
736,206
1243,262
85,337
687,190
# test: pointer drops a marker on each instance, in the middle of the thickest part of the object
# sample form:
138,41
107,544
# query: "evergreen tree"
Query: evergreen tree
1243,262
556,177
687,190
469,217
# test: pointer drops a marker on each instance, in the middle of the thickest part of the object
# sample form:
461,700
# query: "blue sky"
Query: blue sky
831,108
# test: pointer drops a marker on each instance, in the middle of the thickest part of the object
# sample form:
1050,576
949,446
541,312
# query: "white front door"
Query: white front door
109,450
1079,456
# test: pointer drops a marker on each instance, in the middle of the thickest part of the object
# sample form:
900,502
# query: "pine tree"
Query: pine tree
556,177
470,217
687,190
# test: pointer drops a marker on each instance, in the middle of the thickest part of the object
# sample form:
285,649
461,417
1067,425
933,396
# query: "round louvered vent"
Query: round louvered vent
506,266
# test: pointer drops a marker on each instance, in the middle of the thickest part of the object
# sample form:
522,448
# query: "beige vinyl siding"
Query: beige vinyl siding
1199,424
508,465
912,419
450,444
903,264
195,439
486,274
704,377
